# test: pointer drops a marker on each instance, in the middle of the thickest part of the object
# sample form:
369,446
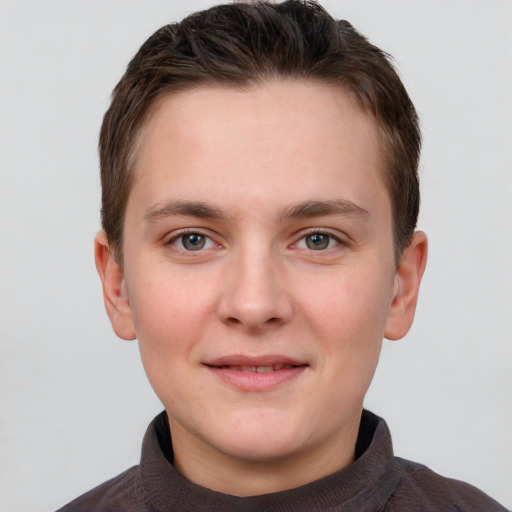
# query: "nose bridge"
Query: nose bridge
253,294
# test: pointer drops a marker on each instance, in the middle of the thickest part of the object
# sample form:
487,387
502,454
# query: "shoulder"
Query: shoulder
423,489
121,493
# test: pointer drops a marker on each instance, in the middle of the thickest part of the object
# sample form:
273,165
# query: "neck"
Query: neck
213,469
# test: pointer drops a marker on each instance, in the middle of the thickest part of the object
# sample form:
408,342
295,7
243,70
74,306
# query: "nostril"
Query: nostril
254,308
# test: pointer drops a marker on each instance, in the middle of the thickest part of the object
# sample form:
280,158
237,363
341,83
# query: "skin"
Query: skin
283,185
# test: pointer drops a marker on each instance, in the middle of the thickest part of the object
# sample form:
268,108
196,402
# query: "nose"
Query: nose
254,295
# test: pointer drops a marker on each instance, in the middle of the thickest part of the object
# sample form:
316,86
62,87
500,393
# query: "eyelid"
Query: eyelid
176,235
337,236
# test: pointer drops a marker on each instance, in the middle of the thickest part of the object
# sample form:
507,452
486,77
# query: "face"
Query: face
259,273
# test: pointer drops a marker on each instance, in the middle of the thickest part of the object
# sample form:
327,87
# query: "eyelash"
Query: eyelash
325,233
210,243
184,233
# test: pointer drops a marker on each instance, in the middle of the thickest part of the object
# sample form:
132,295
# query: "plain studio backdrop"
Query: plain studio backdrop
74,399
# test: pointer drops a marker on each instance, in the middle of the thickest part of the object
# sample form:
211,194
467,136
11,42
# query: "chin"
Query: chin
261,449
261,441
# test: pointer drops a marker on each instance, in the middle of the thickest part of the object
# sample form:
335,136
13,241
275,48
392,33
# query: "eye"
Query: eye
192,242
318,241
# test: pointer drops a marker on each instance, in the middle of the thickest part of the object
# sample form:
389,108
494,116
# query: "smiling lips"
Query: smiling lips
258,369
260,374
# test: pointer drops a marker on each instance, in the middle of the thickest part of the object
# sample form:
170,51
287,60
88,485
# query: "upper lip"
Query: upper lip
263,360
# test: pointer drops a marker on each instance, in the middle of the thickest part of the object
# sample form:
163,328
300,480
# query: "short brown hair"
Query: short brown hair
244,43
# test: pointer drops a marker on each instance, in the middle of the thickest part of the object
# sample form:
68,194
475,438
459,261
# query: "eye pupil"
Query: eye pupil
317,241
193,241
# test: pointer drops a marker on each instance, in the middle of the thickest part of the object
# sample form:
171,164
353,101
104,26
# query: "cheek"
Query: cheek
349,312
169,312
170,321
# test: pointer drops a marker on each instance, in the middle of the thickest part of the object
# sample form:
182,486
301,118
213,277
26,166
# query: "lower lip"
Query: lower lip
253,381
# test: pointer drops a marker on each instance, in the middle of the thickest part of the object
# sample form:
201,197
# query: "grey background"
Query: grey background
74,400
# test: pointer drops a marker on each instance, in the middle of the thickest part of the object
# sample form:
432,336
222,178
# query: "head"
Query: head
260,196
243,44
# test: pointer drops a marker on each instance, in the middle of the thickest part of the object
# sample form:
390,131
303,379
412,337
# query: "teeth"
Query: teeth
259,369
282,366
264,369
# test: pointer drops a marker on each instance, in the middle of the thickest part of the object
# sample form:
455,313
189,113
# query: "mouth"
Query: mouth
256,374
256,369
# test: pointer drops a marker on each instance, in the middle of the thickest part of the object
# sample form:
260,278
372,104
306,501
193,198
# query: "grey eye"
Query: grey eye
193,241
317,241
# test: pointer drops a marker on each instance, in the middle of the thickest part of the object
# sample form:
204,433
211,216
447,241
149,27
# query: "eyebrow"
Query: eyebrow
185,208
319,208
305,209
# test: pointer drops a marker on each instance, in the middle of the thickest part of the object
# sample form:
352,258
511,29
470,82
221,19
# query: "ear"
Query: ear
114,289
407,285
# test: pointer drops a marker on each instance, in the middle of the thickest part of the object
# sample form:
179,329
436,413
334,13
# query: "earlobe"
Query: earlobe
114,289
406,288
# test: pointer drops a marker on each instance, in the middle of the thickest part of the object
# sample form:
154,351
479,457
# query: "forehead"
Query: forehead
258,140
